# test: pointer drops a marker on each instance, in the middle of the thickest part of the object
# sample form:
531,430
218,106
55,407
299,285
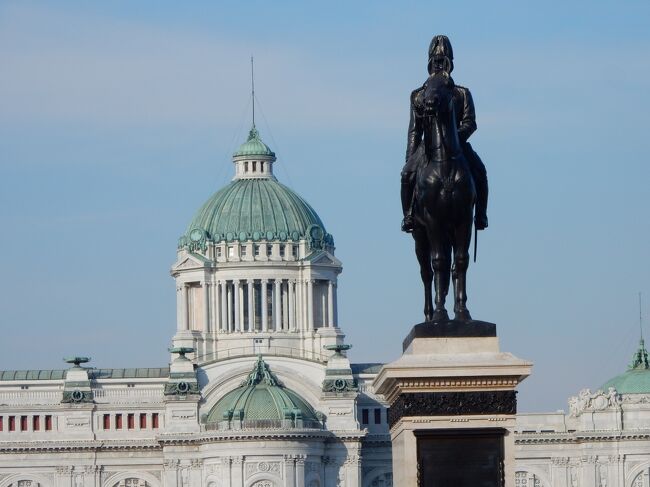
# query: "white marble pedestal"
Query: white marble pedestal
448,381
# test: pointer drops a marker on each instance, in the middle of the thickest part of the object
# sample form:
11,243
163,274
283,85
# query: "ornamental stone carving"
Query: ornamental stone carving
597,401
340,385
254,468
452,404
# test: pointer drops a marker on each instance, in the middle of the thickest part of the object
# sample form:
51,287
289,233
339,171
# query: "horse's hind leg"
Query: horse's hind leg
463,235
441,261
423,253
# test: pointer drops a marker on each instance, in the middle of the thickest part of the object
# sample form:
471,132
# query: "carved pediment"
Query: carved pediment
325,258
188,262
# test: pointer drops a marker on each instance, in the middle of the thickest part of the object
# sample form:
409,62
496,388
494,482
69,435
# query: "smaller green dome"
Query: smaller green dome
636,380
254,146
261,398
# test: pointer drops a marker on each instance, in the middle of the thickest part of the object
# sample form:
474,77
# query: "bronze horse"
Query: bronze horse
443,202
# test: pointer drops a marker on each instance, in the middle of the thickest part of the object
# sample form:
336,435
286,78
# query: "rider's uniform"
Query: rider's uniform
464,106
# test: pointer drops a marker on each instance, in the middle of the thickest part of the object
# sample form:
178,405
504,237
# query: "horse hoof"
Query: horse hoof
462,316
439,315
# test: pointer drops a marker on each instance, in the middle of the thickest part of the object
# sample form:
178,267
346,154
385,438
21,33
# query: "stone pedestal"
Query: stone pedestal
452,406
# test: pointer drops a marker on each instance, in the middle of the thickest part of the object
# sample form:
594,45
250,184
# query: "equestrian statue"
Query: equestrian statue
444,184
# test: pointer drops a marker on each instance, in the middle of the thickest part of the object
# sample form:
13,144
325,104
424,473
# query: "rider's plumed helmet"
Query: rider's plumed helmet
441,46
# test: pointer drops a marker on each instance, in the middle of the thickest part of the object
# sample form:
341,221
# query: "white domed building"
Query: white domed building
259,392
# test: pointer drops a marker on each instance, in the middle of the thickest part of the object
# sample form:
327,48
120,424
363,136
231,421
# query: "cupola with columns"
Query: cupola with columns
255,270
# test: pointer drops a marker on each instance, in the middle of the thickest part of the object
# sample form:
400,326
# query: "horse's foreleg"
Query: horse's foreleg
423,253
462,235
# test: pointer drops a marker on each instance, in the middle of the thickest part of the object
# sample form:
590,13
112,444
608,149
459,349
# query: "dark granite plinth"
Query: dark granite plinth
450,329
461,458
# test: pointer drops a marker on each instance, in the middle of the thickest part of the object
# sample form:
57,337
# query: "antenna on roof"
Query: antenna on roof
253,88
640,317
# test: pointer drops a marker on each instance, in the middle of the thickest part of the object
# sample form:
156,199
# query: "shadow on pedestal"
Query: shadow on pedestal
450,329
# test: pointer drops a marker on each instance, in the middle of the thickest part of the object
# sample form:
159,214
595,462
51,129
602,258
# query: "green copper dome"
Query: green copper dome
261,398
255,206
256,209
636,380
254,146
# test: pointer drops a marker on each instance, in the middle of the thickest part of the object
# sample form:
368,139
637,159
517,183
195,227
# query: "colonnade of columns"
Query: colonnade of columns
256,305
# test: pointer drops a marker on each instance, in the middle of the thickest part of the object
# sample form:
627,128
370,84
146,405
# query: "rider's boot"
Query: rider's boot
407,205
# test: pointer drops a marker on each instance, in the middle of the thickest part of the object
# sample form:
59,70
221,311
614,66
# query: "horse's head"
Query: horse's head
438,94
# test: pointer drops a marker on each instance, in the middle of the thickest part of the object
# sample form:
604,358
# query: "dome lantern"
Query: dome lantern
254,159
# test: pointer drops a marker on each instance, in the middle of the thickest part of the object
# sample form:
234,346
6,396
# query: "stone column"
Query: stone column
560,472
285,307
300,471
206,307
589,470
277,304
265,307
179,307
237,309
299,306
237,471
224,305
310,305
335,305
330,304
229,314
291,286
216,309
251,305
289,471
186,311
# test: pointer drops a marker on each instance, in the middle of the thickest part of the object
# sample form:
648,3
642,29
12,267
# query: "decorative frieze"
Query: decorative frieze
452,404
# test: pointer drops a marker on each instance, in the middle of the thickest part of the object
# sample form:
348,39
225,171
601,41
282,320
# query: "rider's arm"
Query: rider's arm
467,123
415,130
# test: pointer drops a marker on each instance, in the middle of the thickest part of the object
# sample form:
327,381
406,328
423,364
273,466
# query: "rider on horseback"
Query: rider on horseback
441,58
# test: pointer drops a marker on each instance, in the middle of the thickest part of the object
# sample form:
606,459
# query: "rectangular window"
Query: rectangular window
269,250
244,251
107,421
294,251
118,421
130,421
23,423
257,250
282,247
377,416
12,423
143,420
1,423
36,423
48,422
364,416
218,251
154,420
231,252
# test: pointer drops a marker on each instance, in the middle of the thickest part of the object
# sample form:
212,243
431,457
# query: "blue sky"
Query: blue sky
117,120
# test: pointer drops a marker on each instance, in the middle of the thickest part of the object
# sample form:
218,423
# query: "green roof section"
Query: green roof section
254,146
261,398
255,209
93,374
636,380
